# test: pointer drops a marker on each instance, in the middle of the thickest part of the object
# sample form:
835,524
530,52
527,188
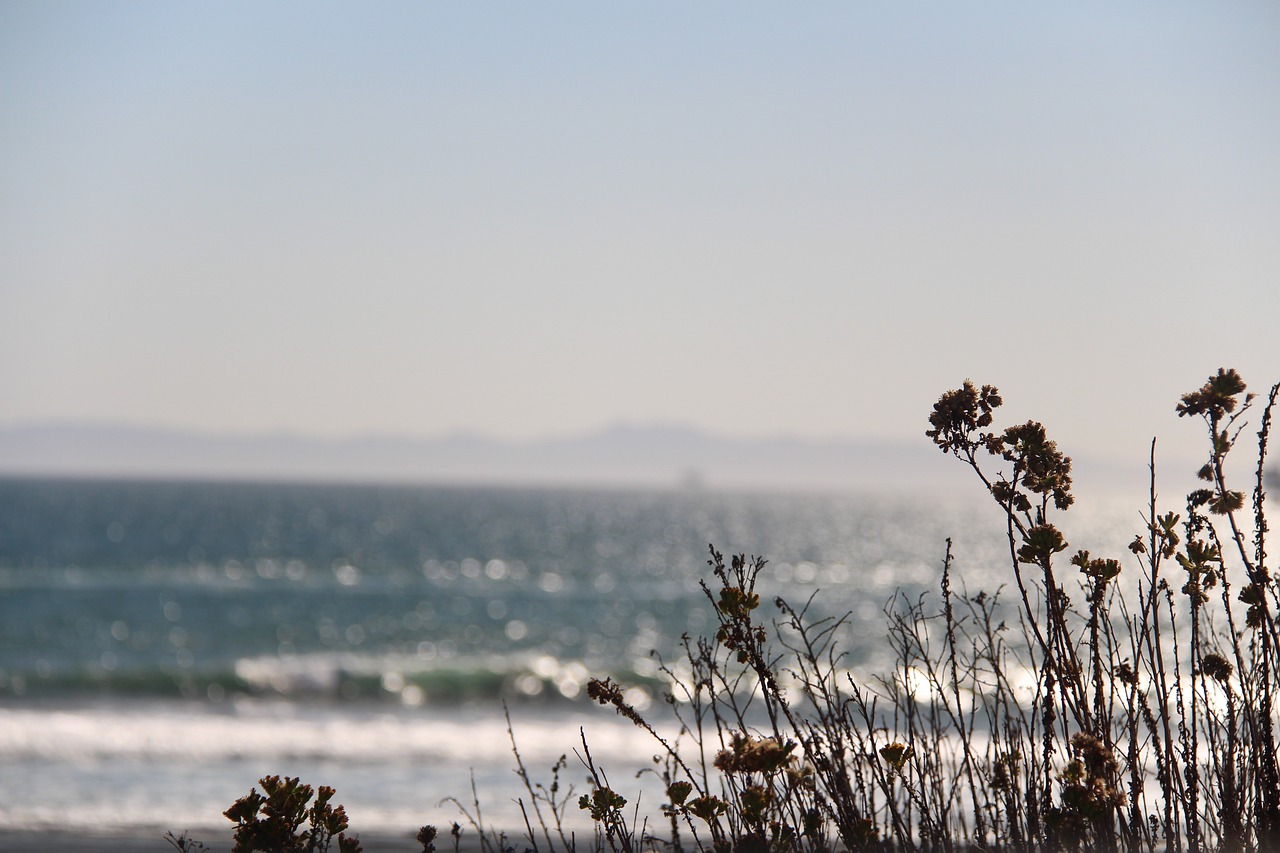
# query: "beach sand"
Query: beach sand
54,841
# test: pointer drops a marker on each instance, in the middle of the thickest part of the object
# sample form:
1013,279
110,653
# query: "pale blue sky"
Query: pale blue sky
528,219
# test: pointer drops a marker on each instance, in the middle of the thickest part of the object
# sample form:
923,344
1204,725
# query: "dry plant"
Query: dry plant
1067,711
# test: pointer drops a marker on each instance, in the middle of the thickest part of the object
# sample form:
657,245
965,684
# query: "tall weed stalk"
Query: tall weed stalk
1118,702
1067,711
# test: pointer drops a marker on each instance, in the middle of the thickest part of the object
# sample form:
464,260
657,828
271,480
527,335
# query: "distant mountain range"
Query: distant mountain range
668,457
661,457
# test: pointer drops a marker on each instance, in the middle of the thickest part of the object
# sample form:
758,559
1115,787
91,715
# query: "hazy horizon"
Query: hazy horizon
621,456
328,219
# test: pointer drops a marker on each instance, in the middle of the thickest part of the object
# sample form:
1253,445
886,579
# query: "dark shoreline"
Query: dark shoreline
144,841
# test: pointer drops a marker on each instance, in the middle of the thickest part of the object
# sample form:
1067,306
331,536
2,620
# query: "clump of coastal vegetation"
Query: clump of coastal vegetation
283,819
1101,702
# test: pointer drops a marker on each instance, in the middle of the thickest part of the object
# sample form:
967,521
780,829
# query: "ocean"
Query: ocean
165,644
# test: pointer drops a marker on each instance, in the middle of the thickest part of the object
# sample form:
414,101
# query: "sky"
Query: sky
540,219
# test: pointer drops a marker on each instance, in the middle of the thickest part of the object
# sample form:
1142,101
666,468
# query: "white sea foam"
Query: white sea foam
119,766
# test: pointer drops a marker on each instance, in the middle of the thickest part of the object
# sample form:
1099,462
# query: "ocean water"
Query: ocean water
165,644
